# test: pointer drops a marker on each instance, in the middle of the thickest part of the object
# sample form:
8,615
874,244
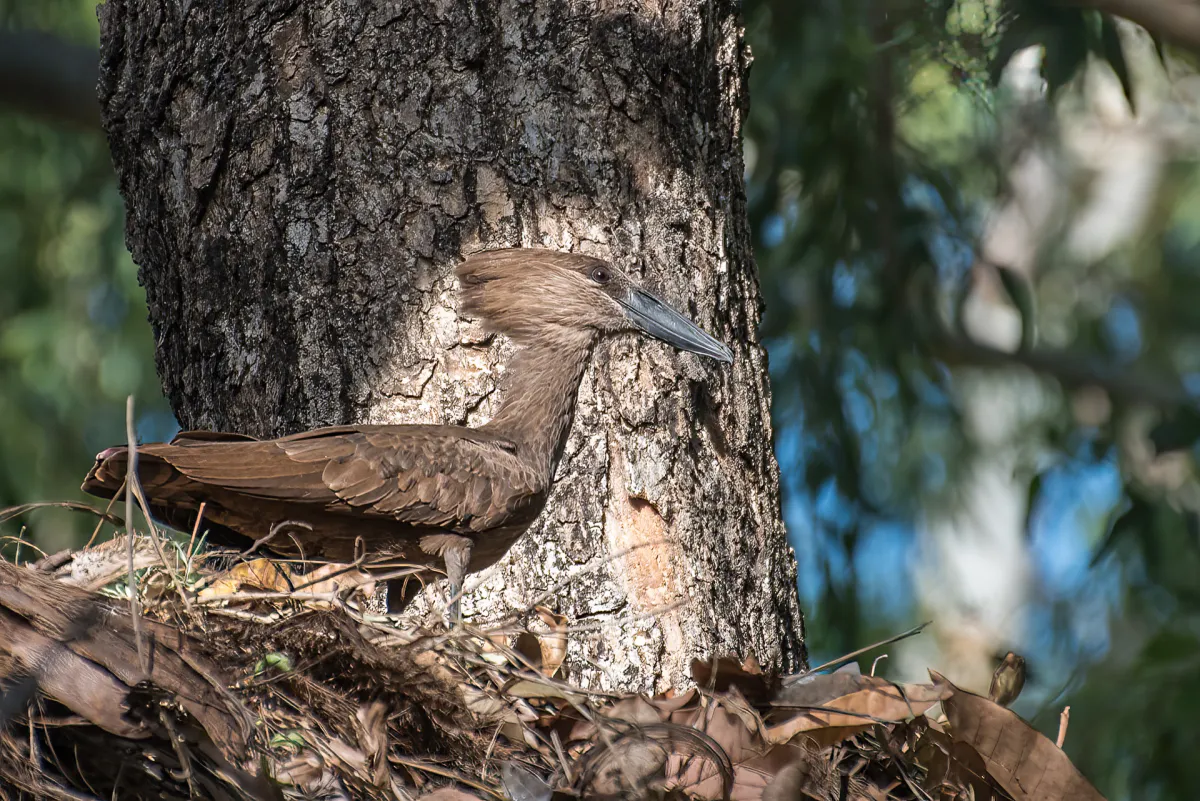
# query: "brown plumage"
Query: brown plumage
418,493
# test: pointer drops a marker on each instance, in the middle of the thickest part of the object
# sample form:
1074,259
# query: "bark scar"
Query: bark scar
650,576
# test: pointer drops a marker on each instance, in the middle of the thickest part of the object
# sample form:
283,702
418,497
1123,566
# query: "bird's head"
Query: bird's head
543,296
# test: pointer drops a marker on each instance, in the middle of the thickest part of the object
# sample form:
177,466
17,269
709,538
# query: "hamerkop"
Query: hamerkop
417,493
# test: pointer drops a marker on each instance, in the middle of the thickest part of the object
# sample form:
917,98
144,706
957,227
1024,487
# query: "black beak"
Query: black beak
651,315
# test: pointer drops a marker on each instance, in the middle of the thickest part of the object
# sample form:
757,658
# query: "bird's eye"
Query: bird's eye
601,275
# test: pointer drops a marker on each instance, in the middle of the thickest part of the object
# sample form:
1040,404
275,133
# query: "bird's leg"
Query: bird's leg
455,550
457,555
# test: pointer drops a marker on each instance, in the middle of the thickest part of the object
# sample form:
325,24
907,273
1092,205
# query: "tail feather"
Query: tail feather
158,478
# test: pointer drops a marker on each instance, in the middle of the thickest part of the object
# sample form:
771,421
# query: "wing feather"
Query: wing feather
444,476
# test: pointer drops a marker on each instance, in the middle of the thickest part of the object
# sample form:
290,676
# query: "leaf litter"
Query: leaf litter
265,683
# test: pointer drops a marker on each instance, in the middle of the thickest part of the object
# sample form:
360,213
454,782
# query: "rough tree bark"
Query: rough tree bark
300,179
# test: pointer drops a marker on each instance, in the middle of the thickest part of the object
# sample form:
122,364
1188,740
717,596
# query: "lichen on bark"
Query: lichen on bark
301,178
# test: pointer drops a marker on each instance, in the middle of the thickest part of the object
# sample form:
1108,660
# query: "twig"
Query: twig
195,531
568,774
20,541
437,770
48,564
100,523
131,471
487,755
16,511
1063,719
181,753
275,529
841,660
191,548
144,504
239,614
268,595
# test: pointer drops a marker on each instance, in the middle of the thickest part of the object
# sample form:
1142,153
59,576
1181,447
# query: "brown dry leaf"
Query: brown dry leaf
373,739
788,783
636,709
668,705
821,698
628,767
333,578
495,650
1025,763
553,645
952,767
449,794
754,762
738,705
720,673
485,706
258,574
303,770
729,734
522,784
345,756
783,769
530,649
532,688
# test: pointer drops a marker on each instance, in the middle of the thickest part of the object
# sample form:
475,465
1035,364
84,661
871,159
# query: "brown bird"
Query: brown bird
1008,680
419,493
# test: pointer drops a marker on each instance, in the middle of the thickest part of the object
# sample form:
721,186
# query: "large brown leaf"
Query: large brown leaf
841,704
1026,764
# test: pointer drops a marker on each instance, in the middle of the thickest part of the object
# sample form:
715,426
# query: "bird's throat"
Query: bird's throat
539,402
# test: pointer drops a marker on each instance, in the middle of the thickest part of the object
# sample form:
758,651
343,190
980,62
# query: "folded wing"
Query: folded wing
452,478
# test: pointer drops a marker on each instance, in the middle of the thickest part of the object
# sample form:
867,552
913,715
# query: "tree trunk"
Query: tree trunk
301,178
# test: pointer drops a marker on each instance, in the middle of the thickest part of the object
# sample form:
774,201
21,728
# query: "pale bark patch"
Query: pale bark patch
650,578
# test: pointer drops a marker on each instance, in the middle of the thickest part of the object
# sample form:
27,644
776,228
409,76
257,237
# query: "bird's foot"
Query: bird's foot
456,551
453,615
457,556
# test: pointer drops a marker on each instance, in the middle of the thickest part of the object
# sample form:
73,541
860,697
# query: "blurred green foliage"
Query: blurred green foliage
873,156
873,152
74,341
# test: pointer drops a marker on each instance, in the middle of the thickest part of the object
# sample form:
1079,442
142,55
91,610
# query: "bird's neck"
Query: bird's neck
539,404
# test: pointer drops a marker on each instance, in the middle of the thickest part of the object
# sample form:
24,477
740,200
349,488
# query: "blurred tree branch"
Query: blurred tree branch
49,77
1175,20
1072,370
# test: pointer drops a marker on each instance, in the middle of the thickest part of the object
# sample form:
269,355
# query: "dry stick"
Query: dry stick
100,523
181,753
131,471
144,504
1063,719
20,540
195,530
487,756
191,552
846,658
74,506
562,757
437,770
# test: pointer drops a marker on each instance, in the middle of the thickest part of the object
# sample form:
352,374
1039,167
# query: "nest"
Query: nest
245,683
